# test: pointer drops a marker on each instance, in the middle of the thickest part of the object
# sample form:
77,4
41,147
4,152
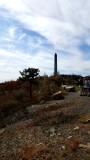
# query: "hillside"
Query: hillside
55,130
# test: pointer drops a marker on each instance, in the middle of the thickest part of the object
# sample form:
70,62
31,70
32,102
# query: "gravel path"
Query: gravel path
83,105
79,104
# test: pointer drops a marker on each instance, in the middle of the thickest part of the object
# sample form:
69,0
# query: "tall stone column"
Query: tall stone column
55,64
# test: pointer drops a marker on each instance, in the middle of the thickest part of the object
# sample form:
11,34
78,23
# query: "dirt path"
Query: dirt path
81,103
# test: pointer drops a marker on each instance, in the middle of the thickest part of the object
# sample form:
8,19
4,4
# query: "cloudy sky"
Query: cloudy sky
32,31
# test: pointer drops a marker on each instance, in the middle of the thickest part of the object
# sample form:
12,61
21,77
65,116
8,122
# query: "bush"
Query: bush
19,94
46,89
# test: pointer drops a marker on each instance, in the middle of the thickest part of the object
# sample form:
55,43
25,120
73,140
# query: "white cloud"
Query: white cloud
16,5
64,23
12,32
22,36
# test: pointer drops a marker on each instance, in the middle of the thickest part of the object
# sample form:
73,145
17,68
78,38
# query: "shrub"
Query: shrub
19,94
46,89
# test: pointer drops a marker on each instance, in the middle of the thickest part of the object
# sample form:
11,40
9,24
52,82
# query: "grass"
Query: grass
77,88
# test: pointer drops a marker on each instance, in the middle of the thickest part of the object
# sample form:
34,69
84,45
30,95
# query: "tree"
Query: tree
29,75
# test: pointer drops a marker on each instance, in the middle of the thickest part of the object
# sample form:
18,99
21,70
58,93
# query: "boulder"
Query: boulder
43,102
64,86
70,88
57,96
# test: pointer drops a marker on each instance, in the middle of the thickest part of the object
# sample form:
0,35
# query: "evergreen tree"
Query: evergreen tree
29,75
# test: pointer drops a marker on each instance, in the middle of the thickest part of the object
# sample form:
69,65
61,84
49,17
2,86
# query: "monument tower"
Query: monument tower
55,64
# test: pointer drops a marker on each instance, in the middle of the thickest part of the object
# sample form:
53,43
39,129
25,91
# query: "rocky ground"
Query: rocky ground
56,130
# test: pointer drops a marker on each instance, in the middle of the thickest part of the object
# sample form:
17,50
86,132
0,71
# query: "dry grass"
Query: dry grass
37,150
71,145
32,152
84,117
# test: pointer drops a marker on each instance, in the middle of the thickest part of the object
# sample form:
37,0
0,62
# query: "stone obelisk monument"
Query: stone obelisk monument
55,64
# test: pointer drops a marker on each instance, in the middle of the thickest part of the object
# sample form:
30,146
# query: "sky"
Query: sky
32,31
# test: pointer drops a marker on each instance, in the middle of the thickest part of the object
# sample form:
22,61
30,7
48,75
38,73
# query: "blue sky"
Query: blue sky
32,31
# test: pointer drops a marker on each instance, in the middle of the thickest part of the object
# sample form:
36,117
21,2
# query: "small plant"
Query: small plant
19,95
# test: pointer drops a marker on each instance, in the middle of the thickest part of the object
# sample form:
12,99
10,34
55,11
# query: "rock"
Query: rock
76,128
59,134
42,102
52,132
70,88
57,96
85,146
64,86
62,147
69,137
87,121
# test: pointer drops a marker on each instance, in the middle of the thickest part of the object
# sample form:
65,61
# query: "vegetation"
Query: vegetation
30,89
46,132
29,75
